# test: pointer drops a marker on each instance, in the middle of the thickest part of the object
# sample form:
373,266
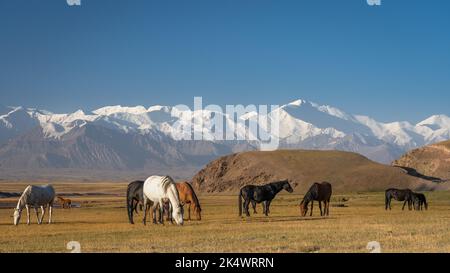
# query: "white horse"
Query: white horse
35,196
158,189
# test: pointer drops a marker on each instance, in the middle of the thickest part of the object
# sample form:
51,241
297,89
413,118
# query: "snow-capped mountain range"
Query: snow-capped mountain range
116,136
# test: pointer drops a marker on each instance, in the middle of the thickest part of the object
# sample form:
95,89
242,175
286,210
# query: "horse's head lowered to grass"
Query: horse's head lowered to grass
320,192
198,213
303,208
177,211
177,214
17,215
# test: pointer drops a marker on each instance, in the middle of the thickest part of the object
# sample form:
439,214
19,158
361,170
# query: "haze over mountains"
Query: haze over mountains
128,139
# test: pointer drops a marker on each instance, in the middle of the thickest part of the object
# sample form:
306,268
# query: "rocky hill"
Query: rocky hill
432,160
346,171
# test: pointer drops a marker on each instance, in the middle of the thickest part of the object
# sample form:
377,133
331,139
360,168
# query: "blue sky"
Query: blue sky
391,62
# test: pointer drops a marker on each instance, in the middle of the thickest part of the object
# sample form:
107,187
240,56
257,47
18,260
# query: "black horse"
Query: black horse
257,194
399,195
135,196
317,192
419,201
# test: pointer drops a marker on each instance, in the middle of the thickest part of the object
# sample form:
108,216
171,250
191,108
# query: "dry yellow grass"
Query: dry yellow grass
101,226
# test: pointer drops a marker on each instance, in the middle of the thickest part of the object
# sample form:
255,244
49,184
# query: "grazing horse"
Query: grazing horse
317,192
188,196
399,195
419,201
158,189
257,194
35,196
65,202
135,196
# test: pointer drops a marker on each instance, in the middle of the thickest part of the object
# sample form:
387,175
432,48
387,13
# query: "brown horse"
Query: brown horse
318,192
65,202
188,196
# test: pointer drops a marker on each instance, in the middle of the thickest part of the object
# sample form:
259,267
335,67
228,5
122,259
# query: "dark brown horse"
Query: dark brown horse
405,195
318,192
419,201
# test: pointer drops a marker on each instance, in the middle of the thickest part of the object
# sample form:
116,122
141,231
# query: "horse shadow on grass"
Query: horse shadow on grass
277,219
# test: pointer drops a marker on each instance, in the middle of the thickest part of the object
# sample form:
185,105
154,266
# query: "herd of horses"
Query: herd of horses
161,196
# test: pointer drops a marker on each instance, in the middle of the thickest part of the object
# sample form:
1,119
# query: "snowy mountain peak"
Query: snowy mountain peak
110,110
298,102
439,120
303,124
156,108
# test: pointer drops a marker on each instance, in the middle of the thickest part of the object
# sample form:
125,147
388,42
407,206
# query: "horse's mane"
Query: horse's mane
194,195
167,181
24,197
310,195
278,183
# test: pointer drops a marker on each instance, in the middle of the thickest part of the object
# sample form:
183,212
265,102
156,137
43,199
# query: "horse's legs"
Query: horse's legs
169,213
320,207
327,205
267,207
43,213
149,206
134,205
154,212
145,210
312,202
246,203
37,215
404,203
50,212
161,212
28,214
254,207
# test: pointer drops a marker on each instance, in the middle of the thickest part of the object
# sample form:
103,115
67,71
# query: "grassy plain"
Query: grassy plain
101,225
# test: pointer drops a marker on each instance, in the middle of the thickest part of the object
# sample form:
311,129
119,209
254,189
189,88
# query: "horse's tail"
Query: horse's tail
129,206
240,202
387,198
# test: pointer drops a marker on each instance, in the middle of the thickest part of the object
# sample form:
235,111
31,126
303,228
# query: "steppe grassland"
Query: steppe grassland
101,225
